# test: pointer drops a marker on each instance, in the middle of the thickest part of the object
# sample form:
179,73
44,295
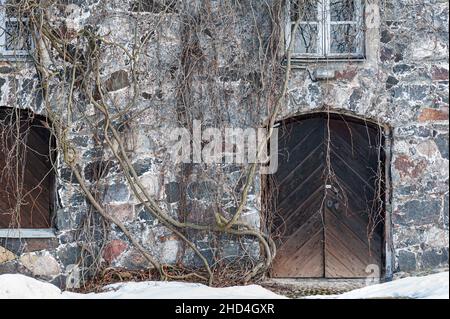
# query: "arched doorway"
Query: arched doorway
328,195
27,157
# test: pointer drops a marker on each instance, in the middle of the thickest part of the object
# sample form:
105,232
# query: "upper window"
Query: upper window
328,28
15,37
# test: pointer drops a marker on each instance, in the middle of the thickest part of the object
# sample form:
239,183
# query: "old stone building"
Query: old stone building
362,134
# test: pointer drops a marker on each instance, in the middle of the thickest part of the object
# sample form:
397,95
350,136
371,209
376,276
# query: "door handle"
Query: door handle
330,203
333,204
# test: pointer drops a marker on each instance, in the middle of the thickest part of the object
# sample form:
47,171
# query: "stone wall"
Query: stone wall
187,192
402,84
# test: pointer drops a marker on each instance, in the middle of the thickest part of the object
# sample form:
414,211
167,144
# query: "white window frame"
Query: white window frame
24,233
324,33
3,19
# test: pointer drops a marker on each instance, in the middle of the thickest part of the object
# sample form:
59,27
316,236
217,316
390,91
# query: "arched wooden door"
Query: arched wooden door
328,196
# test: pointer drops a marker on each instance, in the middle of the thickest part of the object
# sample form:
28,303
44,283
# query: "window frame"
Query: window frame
324,34
5,53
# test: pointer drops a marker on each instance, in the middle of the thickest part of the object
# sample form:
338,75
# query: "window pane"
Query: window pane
306,39
16,36
343,10
306,9
16,8
345,38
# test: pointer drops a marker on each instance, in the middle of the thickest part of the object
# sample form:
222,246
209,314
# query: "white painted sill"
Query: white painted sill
15,58
299,61
23,233
327,60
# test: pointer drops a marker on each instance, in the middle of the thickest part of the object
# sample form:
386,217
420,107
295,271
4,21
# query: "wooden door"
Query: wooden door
327,195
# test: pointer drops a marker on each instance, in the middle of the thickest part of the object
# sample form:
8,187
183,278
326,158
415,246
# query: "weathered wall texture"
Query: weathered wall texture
188,192
403,84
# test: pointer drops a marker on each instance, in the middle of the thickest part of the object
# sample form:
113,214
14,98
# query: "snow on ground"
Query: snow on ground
19,286
170,290
429,287
22,287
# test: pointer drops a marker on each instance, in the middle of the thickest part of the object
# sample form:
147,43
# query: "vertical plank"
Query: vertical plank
351,246
299,222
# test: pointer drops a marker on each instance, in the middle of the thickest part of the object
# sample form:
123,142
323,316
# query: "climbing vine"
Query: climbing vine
72,61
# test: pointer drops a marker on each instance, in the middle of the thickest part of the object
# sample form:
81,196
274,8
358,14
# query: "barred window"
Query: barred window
15,37
328,28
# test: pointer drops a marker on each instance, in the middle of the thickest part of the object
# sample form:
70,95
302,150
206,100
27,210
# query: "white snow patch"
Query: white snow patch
177,290
429,287
22,287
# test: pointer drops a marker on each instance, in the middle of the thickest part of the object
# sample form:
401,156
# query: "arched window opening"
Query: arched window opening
27,157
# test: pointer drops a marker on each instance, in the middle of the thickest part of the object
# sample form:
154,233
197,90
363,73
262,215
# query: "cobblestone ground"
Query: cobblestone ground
295,289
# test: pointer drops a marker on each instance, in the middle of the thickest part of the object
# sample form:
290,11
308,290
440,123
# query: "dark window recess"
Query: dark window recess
26,173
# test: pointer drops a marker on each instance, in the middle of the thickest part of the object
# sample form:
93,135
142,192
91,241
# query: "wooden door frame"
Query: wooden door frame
386,273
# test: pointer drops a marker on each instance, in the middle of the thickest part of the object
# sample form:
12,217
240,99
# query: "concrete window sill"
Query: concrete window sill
27,233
